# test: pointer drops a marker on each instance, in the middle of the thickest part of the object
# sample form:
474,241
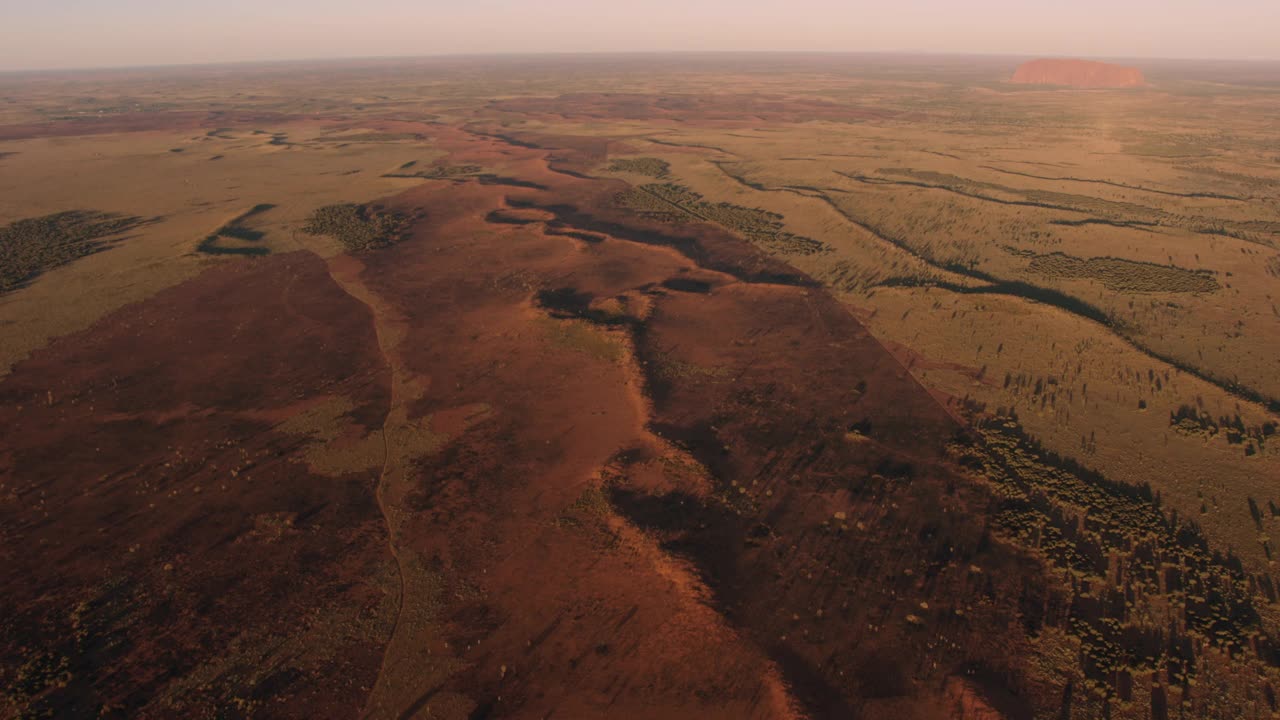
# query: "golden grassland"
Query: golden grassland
945,237
207,193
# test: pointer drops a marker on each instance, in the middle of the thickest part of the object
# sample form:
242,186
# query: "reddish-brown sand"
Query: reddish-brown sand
140,121
670,478
157,519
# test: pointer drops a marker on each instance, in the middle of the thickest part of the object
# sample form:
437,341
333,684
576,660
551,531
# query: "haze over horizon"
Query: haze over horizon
67,34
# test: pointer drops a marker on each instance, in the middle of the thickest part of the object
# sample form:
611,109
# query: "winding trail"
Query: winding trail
405,388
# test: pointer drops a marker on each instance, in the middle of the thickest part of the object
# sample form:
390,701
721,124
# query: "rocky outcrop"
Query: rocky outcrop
1078,73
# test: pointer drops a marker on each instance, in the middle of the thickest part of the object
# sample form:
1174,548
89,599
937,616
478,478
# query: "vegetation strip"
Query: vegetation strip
672,203
1206,195
1020,289
31,247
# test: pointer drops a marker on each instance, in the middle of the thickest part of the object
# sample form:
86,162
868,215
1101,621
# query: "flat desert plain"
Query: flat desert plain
690,386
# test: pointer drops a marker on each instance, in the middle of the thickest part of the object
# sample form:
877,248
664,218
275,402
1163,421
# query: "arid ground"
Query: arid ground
639,387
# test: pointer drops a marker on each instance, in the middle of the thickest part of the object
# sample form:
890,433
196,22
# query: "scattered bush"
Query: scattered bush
651,167
436,172
357,227
675,203
1125,275
33,246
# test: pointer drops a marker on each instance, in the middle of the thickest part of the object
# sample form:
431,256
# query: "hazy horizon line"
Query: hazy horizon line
622,53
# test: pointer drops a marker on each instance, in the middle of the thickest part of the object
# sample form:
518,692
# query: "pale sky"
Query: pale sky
37,34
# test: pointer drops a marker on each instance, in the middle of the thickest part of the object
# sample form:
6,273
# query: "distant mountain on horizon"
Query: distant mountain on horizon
1078,74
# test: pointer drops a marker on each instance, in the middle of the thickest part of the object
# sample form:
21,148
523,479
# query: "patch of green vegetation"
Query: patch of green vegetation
592,501
1102,211
664,366
33,246
1027,197
1192,422
437,172
1273,267
1253,183
650,167
1170,148
1127,186
358,227
668,202
41,672
1145,591
582,337
371,137
653,205
1125,275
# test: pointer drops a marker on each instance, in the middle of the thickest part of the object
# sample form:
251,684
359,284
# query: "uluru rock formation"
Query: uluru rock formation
1078,73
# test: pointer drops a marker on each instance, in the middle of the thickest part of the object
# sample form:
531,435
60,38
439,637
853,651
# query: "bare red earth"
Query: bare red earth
770,459
163,546
676,480
131,122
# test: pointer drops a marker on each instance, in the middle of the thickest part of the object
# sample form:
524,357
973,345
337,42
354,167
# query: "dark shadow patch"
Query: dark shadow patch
564,301
235,230
1129,224
688,285
503,217
993,687
510,182
210,246
561,170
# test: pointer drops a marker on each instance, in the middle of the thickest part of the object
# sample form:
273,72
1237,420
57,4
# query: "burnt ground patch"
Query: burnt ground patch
219,540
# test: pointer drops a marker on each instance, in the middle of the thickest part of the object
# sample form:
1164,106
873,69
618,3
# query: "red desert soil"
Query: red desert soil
165,549
129,122
1078,73
624,469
